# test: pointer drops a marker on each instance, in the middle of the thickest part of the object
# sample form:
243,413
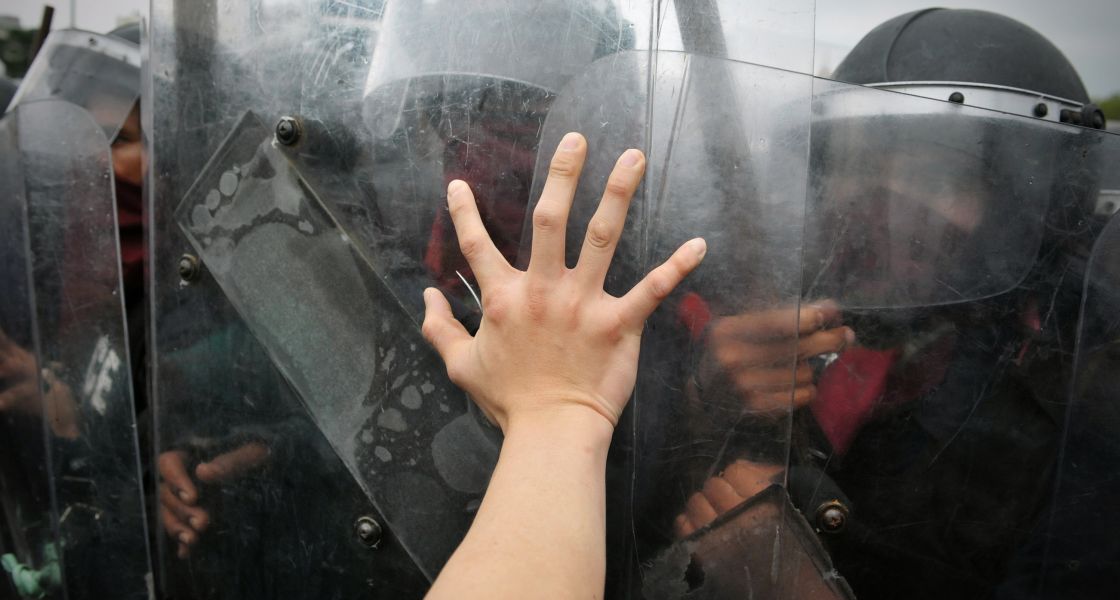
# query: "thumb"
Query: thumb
173,469
440,327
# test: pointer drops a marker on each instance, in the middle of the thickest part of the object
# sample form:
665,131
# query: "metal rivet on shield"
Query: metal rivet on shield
832,516
189,267
368,531
1041,110
956,97
1095,118
288,130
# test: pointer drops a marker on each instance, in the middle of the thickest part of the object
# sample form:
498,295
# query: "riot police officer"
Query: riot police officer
938,421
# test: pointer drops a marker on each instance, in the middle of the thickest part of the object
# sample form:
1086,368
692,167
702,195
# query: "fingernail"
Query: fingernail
849,335
630,158
185,497
193,521
700,247
455,186
570,141
184,538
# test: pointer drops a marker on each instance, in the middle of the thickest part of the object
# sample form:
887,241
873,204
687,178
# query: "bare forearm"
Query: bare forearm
541,528
553,364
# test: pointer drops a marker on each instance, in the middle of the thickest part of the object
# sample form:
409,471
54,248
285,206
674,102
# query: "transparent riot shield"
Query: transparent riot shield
883,326
301,153
1073,551
28,531
728,146
950,240
72,488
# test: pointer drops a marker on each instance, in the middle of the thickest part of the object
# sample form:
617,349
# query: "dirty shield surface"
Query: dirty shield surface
72,493
301,152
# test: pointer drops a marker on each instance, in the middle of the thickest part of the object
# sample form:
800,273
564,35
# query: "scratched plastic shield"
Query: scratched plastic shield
300,156
28,530
728,158
300,333
952,240
1073,551
75,523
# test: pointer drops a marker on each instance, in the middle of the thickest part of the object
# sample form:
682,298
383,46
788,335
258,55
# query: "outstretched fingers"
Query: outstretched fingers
644,298
441,329
605,228
550,217
482,255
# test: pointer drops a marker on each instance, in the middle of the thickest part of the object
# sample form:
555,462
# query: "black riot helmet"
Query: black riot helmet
987,59
945,193
471,107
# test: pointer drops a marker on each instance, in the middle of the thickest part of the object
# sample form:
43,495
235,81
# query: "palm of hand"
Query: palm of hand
550,336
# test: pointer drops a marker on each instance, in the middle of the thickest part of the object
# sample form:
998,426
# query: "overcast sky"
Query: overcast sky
94,15
1086,30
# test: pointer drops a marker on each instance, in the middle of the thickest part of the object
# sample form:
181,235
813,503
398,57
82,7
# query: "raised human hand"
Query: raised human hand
551,338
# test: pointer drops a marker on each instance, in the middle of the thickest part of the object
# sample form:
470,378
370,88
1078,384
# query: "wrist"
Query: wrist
566,423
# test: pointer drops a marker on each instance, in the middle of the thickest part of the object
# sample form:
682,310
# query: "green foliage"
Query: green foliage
1111,108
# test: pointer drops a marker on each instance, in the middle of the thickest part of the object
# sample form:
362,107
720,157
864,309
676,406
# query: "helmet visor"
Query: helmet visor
96,72
915,202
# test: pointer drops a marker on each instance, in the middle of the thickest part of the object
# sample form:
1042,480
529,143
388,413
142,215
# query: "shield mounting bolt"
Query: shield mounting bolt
288,131
189,268
368,531
832,516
